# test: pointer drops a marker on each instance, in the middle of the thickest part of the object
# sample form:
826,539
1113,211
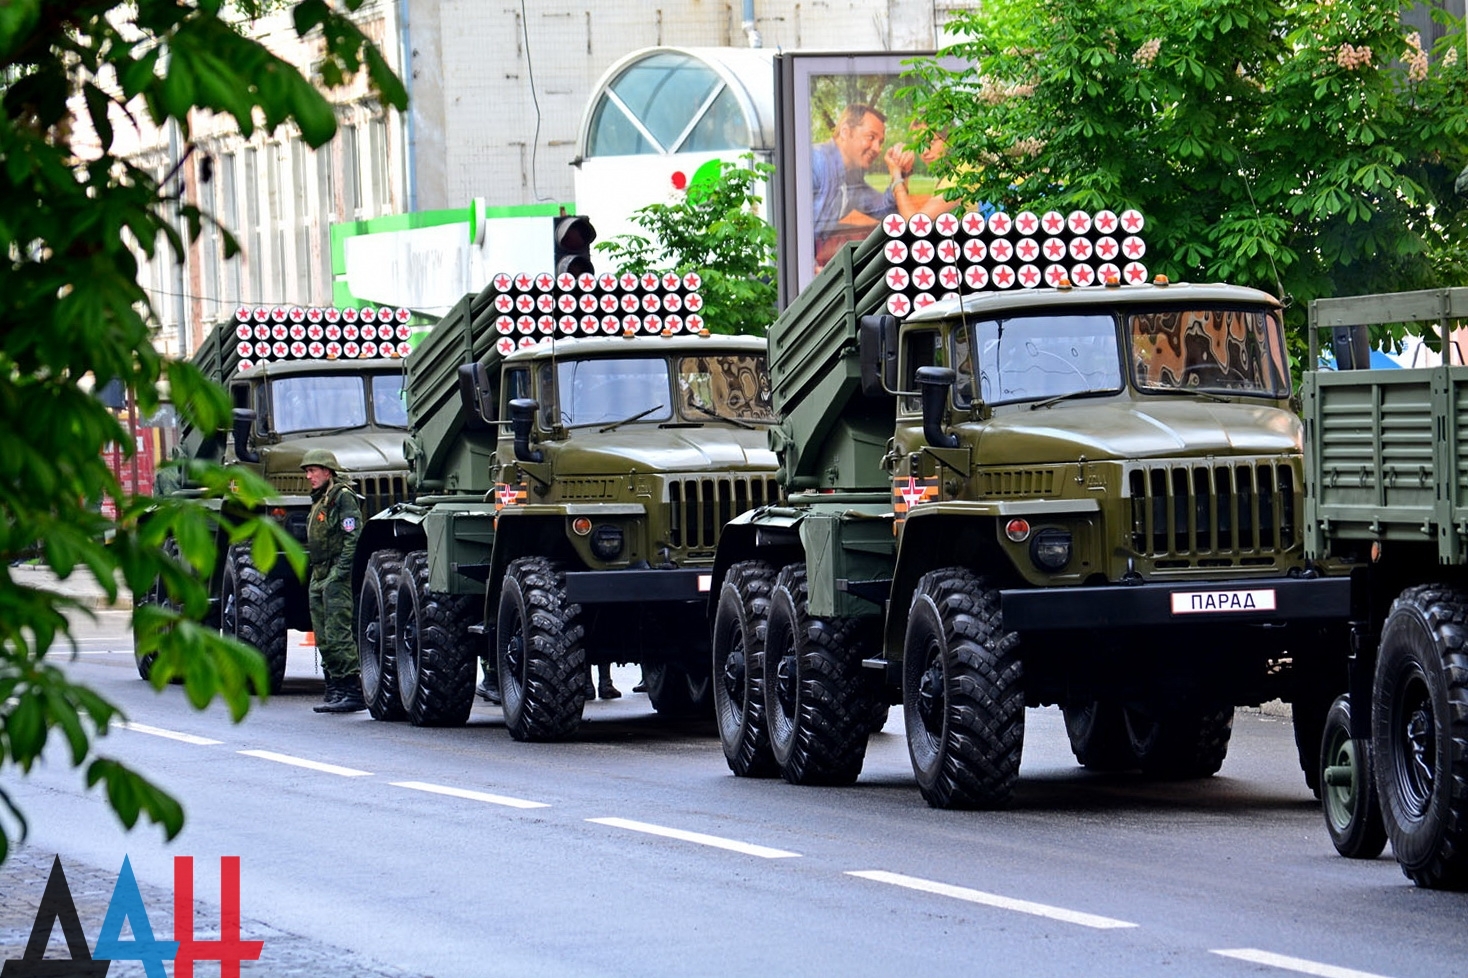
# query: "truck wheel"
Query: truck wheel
1180,744
252,609
675,690
375,635
1347,793
962,696
739,708
1419,728
1098,736
433,653
817,706
542,664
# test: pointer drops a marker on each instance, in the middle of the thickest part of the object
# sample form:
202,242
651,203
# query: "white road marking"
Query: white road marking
439,789
1304,967
733,845
269,755
143,728
991,899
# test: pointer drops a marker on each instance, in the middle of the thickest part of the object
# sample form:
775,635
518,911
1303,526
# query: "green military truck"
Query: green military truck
573,463
1387,496
299,379
1012,497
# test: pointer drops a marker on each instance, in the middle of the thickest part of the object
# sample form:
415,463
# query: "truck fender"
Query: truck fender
933,537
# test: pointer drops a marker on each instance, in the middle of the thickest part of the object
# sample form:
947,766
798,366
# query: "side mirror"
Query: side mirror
1351,346
876,339
244,421
476,396
522,418
935,383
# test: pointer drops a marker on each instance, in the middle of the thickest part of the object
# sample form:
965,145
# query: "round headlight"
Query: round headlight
1050,549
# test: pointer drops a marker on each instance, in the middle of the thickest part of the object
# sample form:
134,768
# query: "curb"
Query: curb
80,587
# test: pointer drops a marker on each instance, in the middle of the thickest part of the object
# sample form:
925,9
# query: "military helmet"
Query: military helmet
321,457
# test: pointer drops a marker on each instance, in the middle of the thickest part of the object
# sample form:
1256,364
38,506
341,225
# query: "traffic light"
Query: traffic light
574,236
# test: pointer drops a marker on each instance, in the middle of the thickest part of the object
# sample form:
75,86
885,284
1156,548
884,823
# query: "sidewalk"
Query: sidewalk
80,585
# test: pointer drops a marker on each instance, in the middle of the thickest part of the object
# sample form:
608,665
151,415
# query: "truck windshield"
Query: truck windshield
605,390
1029,358
724,386
327,402
1228,351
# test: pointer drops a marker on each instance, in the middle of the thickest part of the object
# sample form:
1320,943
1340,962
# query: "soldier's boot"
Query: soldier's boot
489,687
589,691
348,697
604,688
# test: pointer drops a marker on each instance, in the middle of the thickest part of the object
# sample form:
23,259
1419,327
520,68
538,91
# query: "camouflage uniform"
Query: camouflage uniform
333,528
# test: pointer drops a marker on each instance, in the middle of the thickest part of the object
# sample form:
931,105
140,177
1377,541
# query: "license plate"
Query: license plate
1212,602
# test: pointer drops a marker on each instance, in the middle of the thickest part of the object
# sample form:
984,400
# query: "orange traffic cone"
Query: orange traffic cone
309,640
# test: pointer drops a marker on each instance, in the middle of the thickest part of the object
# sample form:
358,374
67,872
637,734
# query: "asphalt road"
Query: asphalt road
380,849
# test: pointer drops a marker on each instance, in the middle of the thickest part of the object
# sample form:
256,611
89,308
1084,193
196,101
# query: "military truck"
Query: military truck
299,379
1386,496
1011,497
572,464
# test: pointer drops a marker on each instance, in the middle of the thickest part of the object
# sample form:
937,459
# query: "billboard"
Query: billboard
833,186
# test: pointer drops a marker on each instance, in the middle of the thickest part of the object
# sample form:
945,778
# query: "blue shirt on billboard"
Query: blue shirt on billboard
839,190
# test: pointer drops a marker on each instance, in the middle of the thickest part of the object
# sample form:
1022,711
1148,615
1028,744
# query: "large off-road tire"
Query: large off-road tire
1098,735
1182,743
738,668
678,690
962,692
1419,727
542,664
1347,791
376,636
252,609
817,704
434,654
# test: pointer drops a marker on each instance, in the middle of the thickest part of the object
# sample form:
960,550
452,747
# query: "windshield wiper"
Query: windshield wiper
636,417
1065,397
722,417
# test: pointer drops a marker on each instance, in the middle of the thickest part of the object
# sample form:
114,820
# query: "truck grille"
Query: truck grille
700,507
381,491
1214,514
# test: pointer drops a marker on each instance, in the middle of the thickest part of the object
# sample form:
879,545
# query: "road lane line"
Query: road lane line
1301,965
143,728
991,899
270,755
439,789
733,845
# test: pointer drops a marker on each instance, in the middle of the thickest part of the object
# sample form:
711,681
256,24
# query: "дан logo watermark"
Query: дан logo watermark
126,907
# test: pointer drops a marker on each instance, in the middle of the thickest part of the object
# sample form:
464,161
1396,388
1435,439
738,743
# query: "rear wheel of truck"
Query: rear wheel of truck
817,706
542,664
962,692
157,595
744,602
1420,734
1098,735
675,690
252,609
376,638
1180,744
1347,792
433,652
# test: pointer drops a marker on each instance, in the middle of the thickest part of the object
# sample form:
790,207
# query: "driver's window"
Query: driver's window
919,349
545,383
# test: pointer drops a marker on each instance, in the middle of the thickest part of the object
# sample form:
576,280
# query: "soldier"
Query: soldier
332,530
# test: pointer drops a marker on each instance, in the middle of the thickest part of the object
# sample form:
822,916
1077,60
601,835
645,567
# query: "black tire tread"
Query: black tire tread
976,763
379,588
545,703
443,693
824,740
744,604
259,611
